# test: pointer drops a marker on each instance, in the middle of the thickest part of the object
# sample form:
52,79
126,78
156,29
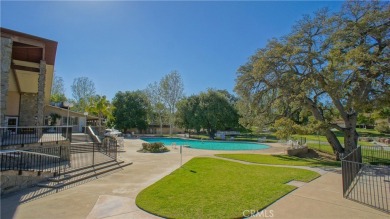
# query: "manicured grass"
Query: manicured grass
270,138
255,139
340,136
376,156
322,139
199,136
371,133
279,160
214,188
324,147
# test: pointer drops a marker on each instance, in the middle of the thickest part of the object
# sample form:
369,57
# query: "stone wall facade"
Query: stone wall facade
41,93
28,109
14,180
297,151
31,105
5,56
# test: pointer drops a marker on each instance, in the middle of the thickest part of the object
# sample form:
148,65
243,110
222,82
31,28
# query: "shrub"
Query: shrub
366,139
156,147
383,127
272,129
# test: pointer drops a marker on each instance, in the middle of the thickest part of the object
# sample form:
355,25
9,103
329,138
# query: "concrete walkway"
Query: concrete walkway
321,198
113,196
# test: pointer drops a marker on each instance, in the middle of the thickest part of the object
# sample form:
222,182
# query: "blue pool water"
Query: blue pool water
208,145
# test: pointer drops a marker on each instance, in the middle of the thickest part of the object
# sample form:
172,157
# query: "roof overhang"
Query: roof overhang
27,53
31,48
64,112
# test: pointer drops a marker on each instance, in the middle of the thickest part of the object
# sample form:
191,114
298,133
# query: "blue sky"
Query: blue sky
124,45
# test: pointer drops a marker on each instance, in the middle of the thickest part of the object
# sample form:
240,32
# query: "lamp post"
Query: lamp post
68,106
86,115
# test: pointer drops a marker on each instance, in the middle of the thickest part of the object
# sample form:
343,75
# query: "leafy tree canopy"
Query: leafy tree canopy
332,66
82,90
130,110
58,90
101,107
158,112
171,91
209,110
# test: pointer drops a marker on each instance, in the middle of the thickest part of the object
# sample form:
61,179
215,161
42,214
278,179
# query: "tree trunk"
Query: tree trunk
170,129
335,143
161,126
350,135
330,136
211,133
170,124
350,139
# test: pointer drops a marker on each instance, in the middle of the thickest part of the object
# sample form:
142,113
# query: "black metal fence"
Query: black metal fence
366,176
50,159
59,159
376,155
109,147
90,154
36,134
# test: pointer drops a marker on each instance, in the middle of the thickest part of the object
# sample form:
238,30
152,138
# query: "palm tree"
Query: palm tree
100,107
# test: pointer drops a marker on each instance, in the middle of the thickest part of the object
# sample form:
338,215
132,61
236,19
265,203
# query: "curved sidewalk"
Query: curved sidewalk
113,196
322,198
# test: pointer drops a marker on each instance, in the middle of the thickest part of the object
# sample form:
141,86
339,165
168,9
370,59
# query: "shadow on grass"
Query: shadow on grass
314,161
192,171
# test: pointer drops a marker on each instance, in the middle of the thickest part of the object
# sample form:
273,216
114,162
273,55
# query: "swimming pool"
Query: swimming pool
209,145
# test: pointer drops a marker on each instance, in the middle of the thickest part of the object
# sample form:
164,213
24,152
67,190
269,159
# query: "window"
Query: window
72,120
64,119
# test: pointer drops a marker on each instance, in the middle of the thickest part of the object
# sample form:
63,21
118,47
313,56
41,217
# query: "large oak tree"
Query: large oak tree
334,66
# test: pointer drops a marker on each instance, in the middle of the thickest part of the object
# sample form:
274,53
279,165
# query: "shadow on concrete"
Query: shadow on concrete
9,202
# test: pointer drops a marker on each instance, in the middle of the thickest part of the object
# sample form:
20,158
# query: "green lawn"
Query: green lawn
362,133
214,188
313,141
270,138
323,147
279,160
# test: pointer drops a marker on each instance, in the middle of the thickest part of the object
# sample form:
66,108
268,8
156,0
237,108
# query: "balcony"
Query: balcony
34,135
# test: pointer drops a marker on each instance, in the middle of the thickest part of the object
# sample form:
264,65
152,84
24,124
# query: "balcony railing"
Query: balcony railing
34,134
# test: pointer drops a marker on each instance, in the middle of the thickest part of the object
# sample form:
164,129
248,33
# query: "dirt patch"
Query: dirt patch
317,154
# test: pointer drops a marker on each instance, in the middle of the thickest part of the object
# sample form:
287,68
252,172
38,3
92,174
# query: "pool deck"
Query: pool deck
113,196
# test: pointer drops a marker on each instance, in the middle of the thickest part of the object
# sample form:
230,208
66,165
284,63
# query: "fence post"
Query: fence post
93,154
116,150
59,162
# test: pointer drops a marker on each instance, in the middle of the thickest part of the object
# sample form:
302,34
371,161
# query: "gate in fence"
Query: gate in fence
90,154
366,176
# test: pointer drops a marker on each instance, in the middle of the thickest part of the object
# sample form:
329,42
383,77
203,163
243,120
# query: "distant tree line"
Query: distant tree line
162,102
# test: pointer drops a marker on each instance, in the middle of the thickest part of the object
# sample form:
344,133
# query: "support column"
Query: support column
5,56
41,93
